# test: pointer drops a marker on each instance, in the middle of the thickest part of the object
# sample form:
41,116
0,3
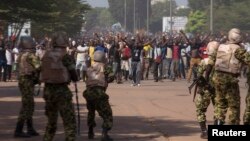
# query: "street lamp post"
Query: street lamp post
148,2
171,17
211,16
134,17
125,15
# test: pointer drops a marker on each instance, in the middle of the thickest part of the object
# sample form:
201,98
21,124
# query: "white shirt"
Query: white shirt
15,51
157,52
8,55
82,56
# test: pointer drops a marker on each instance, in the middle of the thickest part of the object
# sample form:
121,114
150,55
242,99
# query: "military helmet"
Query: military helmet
234,36
60,39
27,42
99,56
212,47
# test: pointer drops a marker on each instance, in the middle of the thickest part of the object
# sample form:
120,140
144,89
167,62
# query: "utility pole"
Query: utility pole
171,18
148,3
134,17
125,15
211,16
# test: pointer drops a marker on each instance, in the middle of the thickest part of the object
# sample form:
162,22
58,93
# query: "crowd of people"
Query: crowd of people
134,58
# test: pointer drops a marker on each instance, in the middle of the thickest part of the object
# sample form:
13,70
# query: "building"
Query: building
155,1
179,23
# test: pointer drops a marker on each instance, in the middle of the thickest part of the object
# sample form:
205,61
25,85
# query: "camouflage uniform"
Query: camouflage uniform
227,92
245,56
99,75
26,84
227,97
98,100
205,96
246,117
58,99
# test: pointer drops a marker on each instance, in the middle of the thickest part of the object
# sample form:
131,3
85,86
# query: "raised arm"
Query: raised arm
185,36
206,37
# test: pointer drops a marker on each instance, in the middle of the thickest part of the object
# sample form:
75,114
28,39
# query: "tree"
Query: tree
205,4
117,9
230,16
183,12
196,22
45,15
160,10
98,17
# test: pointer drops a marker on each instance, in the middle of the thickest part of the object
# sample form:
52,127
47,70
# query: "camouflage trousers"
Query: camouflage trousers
202,102
227,97
58,100
26,87
246,117
98,100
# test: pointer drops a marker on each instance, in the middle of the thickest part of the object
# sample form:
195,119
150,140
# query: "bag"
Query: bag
158,59
126,54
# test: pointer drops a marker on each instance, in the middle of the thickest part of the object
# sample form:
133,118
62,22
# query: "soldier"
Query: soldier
57,70
29,66
228,60
206,91
246,117
96,97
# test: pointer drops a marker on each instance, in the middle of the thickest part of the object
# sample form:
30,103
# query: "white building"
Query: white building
179,23
12,29
155,1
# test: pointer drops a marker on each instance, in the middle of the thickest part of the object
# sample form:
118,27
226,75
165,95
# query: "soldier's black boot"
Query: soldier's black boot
246,123
91,133
31,130
105,136
19,131
203,130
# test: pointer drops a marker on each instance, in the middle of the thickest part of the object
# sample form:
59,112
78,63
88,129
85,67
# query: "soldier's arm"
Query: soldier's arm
242,55
209,67
68,62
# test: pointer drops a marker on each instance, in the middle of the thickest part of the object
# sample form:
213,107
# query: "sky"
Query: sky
104,3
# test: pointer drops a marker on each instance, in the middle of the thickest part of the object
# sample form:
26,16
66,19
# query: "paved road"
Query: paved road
161,111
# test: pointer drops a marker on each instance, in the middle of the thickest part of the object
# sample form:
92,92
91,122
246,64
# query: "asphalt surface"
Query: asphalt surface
155,111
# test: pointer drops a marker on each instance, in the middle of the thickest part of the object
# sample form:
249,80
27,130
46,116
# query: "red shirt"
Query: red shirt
203,52
176,53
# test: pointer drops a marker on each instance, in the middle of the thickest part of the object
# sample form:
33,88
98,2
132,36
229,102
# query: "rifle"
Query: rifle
192,85
78,110
195,91
200,81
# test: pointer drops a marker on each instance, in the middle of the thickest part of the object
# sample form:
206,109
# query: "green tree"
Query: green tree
183,12
45,15
98,17
117,9
196,22
205,4
160,10
229,16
